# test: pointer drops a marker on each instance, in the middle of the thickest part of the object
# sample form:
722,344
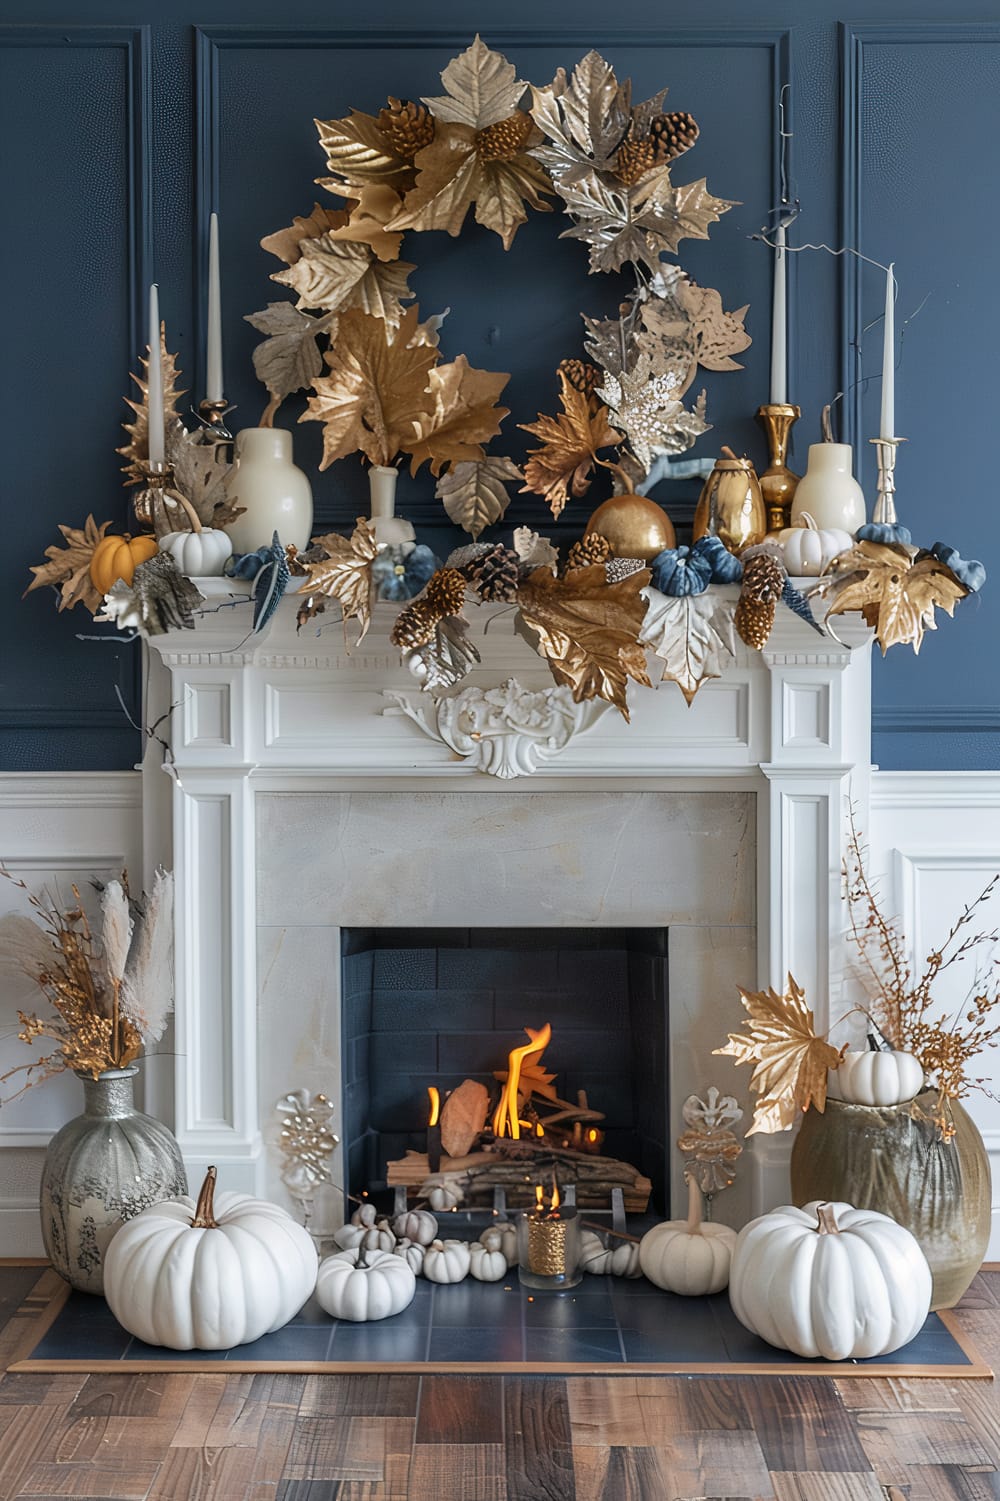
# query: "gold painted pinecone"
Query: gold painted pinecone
407,127
763,582
589,550
504,140
673,134
581,375
443,595
495,574
634,159
445,592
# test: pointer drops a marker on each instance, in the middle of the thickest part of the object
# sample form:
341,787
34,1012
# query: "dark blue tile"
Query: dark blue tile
310,1313
604,972
405,969
478,968
410,1011
378,1342
291,1343
475,1345
406,1053
472,1053
574,1347
77,1342
139,1350
567,1311
479,1304
653,1344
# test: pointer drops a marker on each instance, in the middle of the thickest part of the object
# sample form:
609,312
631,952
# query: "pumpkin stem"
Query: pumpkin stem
826,1221
727,452
362,1260
693,1226
808,522
204,1210
192,514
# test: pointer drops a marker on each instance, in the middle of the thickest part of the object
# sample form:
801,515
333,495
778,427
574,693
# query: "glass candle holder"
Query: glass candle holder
548,1250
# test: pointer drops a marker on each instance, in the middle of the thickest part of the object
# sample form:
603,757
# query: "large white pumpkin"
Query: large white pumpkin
876,1078
210,1275
688,1256
364,1285
830,1280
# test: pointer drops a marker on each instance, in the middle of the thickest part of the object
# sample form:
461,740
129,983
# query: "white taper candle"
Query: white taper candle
213,360
779,322
155,380
887,426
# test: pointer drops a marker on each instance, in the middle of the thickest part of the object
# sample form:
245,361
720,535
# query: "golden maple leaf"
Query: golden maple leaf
376,392
563,466
463,416
896,589
790,1061
588,630
70,566
359,153
337,275
136,450
345,574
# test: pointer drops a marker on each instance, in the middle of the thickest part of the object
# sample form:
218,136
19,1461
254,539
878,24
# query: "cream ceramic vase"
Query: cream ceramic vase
276,493
828,490
390,530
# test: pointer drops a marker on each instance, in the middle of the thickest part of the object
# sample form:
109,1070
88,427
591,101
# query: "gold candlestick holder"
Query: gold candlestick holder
213,414
548,1246
884,512
155,493
778,483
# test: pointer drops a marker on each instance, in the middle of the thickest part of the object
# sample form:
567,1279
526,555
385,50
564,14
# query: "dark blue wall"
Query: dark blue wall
124,124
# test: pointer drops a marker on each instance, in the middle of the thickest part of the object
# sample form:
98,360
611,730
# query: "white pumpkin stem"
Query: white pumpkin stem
362,1258
808,522
204,1210
693,1226
192,514
827,1221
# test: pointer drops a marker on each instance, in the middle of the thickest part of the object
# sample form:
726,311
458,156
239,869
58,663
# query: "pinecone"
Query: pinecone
414,625
634,159
445,592
763,581
581,375
504,140
671,135
495,575
407,127
589,550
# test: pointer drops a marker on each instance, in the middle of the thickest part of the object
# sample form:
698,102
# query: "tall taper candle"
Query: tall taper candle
779,323
887,426
213,361
155,380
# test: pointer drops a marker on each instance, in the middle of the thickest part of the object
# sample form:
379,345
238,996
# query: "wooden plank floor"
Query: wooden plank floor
174,1437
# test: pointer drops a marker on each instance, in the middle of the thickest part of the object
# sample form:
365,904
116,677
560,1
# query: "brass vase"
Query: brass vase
880,1157
635,527
777,483
731,506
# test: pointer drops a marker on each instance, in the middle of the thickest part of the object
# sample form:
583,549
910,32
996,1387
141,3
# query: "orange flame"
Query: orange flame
539,1196
435,1098
555,1201
592,1134
506,1121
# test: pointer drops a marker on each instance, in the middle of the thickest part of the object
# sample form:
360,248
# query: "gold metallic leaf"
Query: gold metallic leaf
475,495
637,223
346,573
201,466
790,1061
565,462
588,630
337,275
136,450
69,566
693,636
462,416
482,88
895,587
358,152
585,118
289,359
286,244
366,224
376,392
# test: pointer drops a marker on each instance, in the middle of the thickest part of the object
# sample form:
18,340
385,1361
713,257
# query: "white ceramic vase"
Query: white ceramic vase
390,530
829,491
276,493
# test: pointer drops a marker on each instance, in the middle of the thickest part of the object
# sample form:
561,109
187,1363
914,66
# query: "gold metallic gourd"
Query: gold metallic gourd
635,527
731,506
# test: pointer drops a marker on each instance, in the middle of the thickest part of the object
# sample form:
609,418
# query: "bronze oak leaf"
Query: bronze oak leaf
790,1061
345,574
376,391
588,630
337,275
563,466
69,566
896,589
463,415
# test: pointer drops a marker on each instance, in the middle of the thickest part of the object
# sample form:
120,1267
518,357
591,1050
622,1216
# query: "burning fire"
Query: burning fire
506,1117
434,1095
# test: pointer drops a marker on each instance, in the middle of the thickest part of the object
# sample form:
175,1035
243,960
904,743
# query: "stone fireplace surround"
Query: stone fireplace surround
297,806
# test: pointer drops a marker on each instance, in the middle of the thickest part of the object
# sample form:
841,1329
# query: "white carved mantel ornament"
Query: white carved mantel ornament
301,712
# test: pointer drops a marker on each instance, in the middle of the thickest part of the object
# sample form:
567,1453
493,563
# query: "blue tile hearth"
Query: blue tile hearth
605,1322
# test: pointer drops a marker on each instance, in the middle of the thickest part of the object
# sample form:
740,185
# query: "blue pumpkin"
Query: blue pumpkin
968,571
884,532
726,566
680,570
399,574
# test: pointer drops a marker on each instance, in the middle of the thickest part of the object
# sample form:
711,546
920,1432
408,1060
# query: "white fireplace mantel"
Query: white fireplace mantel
301,711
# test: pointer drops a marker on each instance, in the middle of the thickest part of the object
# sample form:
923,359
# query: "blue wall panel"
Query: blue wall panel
122,130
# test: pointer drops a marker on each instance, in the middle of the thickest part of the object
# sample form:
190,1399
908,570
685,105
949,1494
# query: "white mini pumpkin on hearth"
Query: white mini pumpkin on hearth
363,1286
501,1236
412,1254
619,1259
688,1256
374,1235
487,1263
447,1261
418,1225
876,1078
211,1275
830,1280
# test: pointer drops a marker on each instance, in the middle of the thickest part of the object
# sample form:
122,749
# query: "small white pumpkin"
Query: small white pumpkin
619,1259
486,1265
412,1253
201,552
809,550
364,1285
447,1261
501,1236
377,1237
417,1225
210,1275
688,1256
366,1214
876,1078
443,1196
830,1280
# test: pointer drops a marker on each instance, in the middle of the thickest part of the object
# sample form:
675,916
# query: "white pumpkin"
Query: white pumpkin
447,1261
486,1265
201,552
876,1078
501,1237
366,1214
830,1280
416,1225
620,1259
443,1196
211,1275
412,1254
376,1237
364,1285
688,1256
809,550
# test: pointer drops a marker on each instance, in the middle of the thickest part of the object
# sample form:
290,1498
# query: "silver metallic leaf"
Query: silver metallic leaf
693,635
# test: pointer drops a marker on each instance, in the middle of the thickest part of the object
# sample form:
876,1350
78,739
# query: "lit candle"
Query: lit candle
213,361
779,323
155,445
887,426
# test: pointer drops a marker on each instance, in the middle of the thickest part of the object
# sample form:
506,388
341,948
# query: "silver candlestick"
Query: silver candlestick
885,501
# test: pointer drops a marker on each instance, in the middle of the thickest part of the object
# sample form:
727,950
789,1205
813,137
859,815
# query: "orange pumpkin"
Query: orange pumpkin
118,558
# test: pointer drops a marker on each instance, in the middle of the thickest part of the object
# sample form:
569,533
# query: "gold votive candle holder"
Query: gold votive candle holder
548,1250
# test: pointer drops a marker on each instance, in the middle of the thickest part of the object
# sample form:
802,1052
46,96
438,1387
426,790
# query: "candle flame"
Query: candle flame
555,1200
539,1196
591,1134
435,1098
505,1118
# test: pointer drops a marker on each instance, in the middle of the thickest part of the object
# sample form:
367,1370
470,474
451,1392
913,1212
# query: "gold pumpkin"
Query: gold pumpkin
731,505
635,527
118,558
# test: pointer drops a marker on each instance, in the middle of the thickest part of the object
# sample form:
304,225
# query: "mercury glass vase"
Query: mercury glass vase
101,1169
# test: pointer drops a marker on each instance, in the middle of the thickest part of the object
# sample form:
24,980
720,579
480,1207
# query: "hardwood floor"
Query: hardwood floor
497,1438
